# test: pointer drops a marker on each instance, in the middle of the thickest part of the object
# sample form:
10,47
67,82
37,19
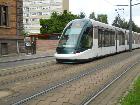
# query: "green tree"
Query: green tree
102,18
122,23
56,23
92,16
135,28
119,22
82,15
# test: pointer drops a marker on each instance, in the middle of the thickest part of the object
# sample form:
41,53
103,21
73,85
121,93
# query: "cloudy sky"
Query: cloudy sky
106,7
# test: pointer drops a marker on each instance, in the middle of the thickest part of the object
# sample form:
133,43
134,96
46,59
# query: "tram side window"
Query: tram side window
133,38
106,38
127,38
87,38
112,38
139,39
121,37
100,34
136,39
101,38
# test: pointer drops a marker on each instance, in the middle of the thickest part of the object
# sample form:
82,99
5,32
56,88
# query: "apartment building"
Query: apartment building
34,10
11,18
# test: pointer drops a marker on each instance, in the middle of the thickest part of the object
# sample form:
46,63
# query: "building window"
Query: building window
26,20
4,48
3,15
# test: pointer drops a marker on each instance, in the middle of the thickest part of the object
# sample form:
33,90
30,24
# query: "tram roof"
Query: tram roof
105,26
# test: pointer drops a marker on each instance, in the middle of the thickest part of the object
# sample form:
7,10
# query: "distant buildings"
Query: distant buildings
34,10
11,18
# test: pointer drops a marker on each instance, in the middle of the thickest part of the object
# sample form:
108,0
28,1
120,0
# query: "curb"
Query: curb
26,59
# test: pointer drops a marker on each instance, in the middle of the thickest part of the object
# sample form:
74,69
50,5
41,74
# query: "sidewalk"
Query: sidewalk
23,56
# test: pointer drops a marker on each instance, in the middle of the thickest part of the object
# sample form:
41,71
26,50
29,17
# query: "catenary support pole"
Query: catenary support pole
130,28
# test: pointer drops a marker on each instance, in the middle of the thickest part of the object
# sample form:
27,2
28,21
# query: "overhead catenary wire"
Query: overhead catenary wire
128,5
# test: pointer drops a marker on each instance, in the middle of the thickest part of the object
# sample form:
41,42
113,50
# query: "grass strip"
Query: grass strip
133,96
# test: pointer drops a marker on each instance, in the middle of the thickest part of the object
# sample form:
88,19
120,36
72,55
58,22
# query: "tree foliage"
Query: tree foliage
122,23
92,16
102,18
56,23
82,15
119,22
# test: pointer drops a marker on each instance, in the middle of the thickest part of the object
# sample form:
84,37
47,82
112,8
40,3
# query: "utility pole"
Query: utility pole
130,24
130,28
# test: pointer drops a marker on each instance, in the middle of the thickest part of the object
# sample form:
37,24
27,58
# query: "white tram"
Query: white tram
86,39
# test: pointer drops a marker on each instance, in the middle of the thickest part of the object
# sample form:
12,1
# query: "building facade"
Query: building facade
11,25
34,10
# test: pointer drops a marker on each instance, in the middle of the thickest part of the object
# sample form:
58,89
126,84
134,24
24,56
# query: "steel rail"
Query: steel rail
42,65
18,69
35,74
106,86
62,83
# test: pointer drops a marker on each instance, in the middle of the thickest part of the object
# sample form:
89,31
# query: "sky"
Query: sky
107,7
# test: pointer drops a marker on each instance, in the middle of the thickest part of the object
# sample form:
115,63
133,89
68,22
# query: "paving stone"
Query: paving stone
56,103
63,100
74,101
43,103
69,95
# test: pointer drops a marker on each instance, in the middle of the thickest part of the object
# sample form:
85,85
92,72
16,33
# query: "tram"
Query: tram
85,39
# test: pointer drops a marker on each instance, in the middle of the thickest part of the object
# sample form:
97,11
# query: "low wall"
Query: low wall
46,45
9,46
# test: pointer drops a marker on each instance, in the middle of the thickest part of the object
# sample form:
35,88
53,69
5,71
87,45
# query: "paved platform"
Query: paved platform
23,56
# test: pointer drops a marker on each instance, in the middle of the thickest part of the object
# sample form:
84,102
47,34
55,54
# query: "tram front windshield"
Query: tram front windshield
71,34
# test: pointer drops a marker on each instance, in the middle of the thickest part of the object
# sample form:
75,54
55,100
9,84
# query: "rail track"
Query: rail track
21,62
77,77
29,67
93,95
29,73
36,70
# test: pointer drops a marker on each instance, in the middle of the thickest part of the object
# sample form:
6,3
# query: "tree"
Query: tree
119,22
56,23
122,23
102,18
82,15
135,28
92,16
